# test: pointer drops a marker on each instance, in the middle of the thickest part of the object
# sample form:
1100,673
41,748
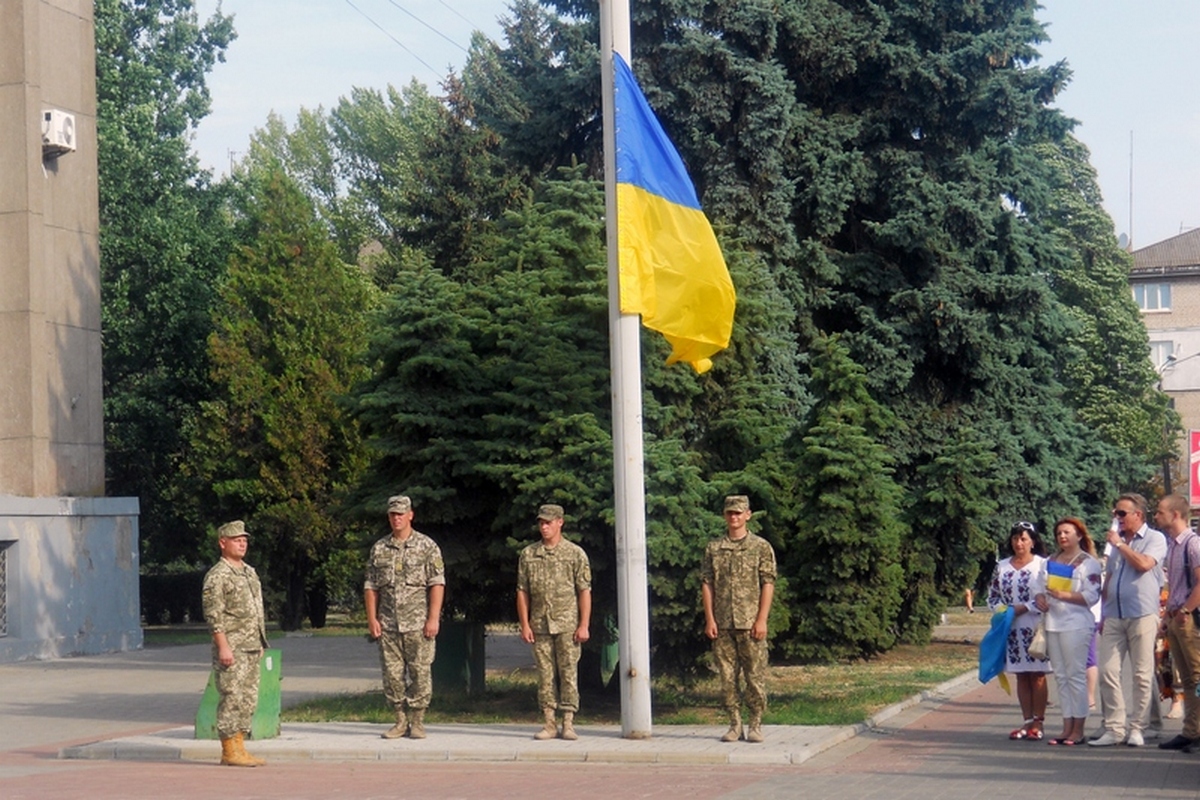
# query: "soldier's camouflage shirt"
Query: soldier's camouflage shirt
233,605
553,578
737,571
402,572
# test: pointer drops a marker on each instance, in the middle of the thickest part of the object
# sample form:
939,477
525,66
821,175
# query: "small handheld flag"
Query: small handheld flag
1058,576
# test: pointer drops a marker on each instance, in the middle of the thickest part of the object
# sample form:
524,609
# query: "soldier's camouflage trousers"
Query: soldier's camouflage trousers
734,652
406,659
557,659
238,686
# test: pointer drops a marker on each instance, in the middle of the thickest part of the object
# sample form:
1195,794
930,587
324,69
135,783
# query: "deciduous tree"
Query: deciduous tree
164,239
275,443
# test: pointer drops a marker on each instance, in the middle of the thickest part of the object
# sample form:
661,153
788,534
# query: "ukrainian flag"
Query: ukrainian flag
1058,576
670,266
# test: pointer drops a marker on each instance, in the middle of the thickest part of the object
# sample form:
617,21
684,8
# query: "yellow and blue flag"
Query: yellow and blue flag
670,266
1058,576
992,659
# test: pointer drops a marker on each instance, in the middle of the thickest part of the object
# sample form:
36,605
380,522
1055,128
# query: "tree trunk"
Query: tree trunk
292,618
318,604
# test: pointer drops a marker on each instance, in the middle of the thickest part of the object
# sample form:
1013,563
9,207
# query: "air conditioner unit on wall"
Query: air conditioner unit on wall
58,133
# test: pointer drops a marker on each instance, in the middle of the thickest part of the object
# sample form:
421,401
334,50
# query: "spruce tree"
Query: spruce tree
844,557
489,398
875,171
884,160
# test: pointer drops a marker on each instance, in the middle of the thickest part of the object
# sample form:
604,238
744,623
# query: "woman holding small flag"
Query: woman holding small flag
1015,583
1072,580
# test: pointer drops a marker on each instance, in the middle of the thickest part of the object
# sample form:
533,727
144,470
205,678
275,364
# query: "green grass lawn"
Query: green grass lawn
840,694
196,633
174,635
837,694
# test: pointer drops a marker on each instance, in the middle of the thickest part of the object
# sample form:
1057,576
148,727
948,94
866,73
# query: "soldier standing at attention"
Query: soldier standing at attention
233,609
403,592
554,608
738,585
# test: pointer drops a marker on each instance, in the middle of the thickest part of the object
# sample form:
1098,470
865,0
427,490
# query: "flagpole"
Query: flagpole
633,608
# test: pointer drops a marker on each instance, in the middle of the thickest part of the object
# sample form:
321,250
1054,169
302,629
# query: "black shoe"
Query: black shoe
1178,743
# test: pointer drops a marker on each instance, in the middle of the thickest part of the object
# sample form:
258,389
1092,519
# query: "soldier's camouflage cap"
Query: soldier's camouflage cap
232,530
737,502
399,504
550,511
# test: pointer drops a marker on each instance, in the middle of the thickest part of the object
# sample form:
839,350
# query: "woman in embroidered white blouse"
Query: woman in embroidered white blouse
1069,621
1015,583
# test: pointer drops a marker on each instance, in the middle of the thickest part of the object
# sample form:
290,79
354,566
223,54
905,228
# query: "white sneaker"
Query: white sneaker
1176,711
1108,739
1135,739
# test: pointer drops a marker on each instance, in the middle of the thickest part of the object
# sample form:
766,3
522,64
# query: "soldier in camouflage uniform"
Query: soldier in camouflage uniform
554,608
738,586
403,592
233,609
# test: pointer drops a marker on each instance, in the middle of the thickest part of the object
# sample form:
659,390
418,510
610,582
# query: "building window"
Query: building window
1152,296
1160,352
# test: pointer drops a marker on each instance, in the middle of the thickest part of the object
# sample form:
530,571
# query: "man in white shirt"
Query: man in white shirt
1133,580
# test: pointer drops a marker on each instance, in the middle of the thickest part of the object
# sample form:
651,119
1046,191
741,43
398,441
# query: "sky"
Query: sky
293,54
1134,65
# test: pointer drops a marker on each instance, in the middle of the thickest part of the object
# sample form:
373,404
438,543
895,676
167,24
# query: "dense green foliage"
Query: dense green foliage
845,552
1108,377
886,163
933,337
487,399
163,244
274,444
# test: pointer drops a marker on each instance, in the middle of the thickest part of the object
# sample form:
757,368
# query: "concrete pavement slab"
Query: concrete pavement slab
940,748
140,706
670,744
480,743
87,697
353,741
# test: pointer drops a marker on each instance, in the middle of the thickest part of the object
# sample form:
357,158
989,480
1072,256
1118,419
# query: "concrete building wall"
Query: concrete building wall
1174,333
70,581
1180,327
1188,405
68,556
1183,374
51,414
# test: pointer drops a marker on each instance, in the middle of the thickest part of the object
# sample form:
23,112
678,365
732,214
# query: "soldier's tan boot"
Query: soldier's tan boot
568,728
231,756
400,728
416,724
239,741
735,728
549,729
754,732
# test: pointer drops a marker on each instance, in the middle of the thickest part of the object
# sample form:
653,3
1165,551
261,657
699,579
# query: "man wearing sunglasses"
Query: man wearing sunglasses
1133,578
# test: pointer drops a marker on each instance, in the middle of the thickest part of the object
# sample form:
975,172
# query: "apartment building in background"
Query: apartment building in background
1166,286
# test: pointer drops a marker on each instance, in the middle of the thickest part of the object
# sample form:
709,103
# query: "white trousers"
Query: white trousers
1068,652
